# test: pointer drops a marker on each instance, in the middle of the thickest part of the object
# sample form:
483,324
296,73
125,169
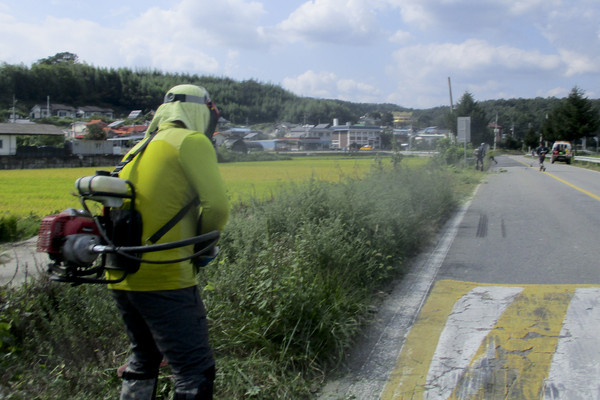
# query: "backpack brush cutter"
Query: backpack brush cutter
82,246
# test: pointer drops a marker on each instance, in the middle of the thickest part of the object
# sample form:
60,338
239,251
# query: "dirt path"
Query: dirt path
20,261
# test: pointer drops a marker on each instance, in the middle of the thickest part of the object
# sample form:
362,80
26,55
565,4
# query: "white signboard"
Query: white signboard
463,130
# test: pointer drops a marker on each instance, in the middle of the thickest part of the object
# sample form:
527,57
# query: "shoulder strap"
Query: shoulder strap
131,156
173,221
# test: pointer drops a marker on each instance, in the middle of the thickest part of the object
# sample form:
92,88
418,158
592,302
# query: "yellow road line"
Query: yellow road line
522,345
407,381
565,182
512,361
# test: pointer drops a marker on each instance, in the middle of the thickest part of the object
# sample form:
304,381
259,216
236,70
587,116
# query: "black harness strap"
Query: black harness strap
173,221
131,156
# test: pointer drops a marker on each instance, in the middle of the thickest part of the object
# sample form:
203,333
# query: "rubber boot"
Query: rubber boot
204,390
137,387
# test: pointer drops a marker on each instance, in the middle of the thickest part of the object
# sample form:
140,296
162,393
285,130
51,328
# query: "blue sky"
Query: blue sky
381,51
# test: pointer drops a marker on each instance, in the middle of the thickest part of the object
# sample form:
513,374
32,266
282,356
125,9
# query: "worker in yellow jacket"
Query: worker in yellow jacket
160,304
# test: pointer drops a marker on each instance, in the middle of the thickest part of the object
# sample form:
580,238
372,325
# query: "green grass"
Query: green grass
45,191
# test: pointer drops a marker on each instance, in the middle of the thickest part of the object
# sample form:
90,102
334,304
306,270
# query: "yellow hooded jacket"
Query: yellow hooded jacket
178,164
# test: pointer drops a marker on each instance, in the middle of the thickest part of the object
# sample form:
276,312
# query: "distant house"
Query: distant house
309,137
402,118
235,144
53,110
77,130
345,135
63,111
126,131
219,138
402,136
90,111
10,132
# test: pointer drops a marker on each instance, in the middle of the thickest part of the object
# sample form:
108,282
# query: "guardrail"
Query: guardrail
595,160
588,159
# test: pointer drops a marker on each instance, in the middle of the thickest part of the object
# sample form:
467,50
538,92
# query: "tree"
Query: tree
532,138
468,107
95,132
387,119
59,58
572,119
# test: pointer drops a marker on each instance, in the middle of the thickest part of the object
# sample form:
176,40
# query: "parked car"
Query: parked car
367,147
562,151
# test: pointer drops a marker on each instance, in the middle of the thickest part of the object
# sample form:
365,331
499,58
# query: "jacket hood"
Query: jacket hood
184,103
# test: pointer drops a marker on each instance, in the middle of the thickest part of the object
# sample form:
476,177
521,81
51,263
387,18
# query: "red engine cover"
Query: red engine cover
54,228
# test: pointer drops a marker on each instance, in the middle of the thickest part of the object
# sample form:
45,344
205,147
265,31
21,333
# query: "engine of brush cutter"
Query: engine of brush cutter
77,242
68,238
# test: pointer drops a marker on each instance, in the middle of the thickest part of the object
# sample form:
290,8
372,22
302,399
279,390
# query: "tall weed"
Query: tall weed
296,275
292,288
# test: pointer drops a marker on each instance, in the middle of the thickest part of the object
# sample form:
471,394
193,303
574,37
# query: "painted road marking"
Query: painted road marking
473,316
592,195
477,341
577,356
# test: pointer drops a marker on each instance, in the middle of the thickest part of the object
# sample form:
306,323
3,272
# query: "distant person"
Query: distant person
480,154
541,152
491,156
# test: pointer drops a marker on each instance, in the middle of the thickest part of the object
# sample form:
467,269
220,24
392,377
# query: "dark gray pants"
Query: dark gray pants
170,323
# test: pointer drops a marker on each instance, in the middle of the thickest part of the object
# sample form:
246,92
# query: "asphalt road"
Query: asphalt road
505,305
526,226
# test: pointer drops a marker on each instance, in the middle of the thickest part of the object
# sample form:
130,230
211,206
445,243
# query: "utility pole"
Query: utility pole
451,104
450,90
496,131
14,114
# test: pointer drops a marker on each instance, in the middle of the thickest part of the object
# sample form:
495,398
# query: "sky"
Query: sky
403,52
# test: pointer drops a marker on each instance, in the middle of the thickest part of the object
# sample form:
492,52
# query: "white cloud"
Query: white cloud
471,55
328,85
331,21
578,64
310,83
481,68
520,7
401,37
188,37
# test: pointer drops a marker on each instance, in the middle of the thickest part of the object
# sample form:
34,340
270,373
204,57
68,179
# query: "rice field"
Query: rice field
45,191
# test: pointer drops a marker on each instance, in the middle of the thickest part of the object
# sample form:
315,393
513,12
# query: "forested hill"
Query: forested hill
68,82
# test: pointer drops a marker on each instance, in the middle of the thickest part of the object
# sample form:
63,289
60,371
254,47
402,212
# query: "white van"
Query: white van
561,151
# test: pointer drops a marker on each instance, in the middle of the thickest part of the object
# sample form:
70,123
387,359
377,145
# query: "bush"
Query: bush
296,275
450,153
8,228
14,229
59,342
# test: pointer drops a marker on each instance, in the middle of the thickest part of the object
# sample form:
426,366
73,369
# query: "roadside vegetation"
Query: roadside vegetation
300,273
587,165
